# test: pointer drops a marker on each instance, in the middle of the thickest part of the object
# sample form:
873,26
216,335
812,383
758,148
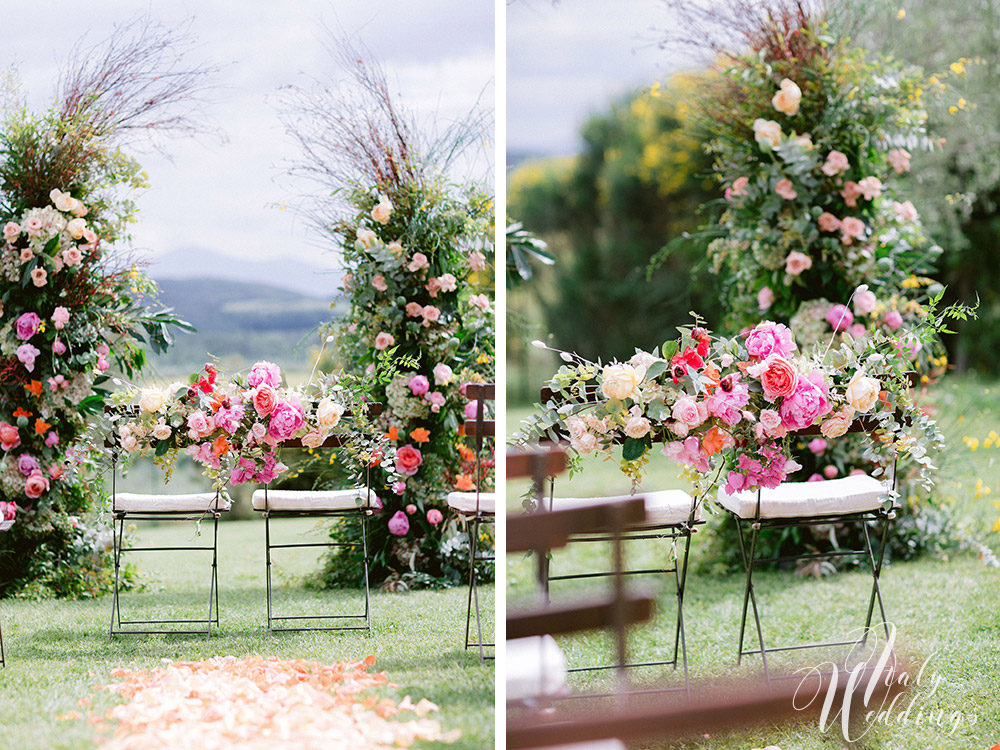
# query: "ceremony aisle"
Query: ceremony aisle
58,651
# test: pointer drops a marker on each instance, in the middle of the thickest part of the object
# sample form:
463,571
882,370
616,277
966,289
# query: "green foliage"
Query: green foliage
638,183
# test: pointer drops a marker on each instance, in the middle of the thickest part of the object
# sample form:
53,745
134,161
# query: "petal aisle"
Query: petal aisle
258,703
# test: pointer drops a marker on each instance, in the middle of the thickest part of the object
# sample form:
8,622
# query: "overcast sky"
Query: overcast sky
569,59
439,56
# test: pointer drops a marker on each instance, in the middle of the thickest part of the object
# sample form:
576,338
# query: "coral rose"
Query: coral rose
778,377
408,460
36,485
10,438
264,400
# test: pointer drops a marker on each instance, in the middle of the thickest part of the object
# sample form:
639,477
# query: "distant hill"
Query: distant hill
286,272
240,322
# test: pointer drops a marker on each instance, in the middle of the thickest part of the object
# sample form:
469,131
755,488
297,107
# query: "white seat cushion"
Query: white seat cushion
663,507
465,502
535,667
591,745
798,499
131,502
305,500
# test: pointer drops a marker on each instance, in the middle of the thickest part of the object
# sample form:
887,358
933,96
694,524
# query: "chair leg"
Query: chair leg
475,591
472,578
750,596
3,660
364,545
681,581
267,556
876,567
116,542
214,578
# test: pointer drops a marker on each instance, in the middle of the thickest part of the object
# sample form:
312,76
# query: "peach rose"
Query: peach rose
417,262
382,211
838,423
739,186
75,228
797,262
62,201
151,400
161,431
39,277
379,283
367,238
636,426
828,222
836,163
10,231
767,133
313,438
785,189
328,413
788,97
862,392
384,340
395,248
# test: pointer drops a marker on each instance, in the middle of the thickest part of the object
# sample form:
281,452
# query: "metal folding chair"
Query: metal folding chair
671,515
477,508
356,503
858,499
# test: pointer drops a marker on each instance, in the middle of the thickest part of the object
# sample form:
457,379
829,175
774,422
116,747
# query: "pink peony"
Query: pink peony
264,372
36,485
10,438
828,222
864,302
839,317
806,404
419,385
836,163
399,487
850,193
769,338
817,446
384,340
26,353
27,326
399,524
765,298
899,160
434,517
229,419
408,460
60,317
728,399
797,262
785,189
286,420
893,319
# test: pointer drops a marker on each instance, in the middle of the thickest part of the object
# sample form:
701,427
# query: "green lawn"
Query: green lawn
944,609
57,651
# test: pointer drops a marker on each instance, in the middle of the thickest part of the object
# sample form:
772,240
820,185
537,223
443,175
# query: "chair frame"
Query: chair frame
118,528
479,428
748,550
362,513
673,532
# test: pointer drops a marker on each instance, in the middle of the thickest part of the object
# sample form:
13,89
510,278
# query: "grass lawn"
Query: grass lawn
57,651
944,609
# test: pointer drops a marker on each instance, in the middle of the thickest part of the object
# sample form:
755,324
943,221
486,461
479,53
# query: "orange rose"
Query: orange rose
221,446
714,441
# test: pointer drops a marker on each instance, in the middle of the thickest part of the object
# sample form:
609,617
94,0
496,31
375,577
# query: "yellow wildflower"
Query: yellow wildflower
901,14
958,68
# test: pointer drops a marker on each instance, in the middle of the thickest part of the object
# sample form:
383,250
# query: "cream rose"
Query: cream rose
838,424
862,392
328,413
636,427
75,228
767,132
62,201
788,97
382,211
161,431
151,400
619,382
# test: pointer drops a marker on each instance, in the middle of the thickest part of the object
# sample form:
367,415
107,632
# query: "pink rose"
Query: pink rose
436,400
765,298
905,211
379,283
11,231
264,399
850,193
26,254
899,160
430,314
770,419
10,438
870,187
805,405
830,471
197,423
853,227
470,409
785,189
689,412
797,262
447,282
411,509
864,302
778,378
419,385
264,372
286,419
434,517
39,277
36,485
481,301
60,317
433,287
817,446
33,226
739,186
398,487
828,222
839,317
857,330
27,326
408,460
417,262
476,261
52,438
313,439
26,353
58,347
399,524
835,164
72,256
384,340
769,338
414,310
893,319
815,478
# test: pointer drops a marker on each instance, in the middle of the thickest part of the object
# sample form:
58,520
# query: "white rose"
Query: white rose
75,228
619,382
862,392
161,431
767,131
443,374
328,414
788,97
382,211
151,400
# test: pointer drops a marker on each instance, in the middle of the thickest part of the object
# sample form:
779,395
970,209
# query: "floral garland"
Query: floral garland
729,404
235,425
